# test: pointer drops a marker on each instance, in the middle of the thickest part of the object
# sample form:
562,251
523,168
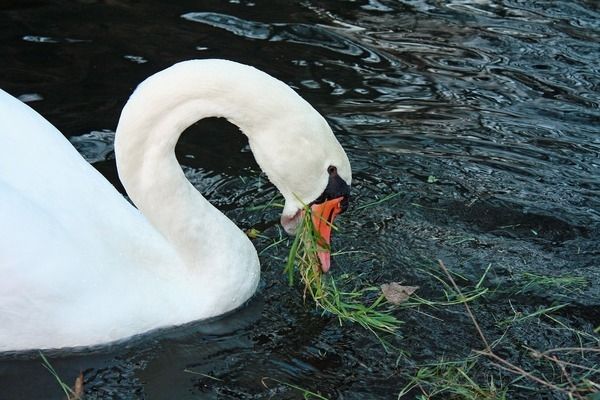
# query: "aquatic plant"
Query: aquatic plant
574,381
565,283
453,379
323,290
306,394
570,371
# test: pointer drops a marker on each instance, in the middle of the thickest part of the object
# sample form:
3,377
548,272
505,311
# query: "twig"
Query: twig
504,364
537,354
508,366
481,335
571,349
564,373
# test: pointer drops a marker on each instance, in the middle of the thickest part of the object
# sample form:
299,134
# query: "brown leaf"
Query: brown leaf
396,293
77,391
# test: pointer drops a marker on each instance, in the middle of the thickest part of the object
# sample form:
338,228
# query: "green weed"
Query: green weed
453,380
307,394
323,290
544,282
75,393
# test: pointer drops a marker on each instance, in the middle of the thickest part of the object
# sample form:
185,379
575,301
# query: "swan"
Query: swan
81,266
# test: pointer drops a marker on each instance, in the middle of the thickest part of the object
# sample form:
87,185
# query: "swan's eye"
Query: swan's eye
332,170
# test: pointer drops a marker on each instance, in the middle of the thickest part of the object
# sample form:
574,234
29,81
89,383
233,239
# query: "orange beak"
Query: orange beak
322,216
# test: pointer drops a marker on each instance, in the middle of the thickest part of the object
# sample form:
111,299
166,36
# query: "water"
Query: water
483,116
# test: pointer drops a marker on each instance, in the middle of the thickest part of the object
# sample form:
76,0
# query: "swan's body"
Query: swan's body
80,266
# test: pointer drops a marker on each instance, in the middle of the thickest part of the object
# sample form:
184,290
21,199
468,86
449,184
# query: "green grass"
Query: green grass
519,316
367,306
452,380
544,282
378,201
571,371
347,306
275,202
451,296
68,391
306,394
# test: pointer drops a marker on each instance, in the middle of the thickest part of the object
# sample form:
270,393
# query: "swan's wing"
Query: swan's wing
35,272
39,164
69,243
56,210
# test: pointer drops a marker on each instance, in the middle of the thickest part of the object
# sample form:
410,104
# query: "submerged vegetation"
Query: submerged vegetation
570,371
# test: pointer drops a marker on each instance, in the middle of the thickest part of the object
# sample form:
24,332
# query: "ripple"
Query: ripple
312,35
95,146
237,26
135,59
39,39
48,39
30,97
498,100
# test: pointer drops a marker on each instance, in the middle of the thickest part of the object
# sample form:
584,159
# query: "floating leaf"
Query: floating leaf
396,293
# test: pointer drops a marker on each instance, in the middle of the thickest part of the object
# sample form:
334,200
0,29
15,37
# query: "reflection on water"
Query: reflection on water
483,115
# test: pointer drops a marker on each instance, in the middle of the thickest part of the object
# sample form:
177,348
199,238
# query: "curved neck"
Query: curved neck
150,125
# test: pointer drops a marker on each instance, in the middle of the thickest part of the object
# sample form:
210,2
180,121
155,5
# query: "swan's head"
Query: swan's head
304,160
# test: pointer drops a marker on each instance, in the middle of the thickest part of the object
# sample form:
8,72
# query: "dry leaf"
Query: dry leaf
396,293
77,389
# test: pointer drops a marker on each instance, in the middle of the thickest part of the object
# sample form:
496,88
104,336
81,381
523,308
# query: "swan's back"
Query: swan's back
66,233
42,175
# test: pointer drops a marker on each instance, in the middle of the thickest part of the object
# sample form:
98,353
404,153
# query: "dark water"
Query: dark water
482,116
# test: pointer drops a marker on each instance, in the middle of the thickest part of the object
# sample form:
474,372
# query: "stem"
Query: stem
479,331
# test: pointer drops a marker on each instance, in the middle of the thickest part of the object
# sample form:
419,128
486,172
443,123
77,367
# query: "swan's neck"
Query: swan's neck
150,125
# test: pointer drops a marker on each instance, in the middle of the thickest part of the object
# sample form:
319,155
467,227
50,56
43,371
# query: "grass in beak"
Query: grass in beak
322,289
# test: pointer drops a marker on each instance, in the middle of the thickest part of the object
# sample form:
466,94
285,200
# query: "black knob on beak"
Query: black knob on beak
336,187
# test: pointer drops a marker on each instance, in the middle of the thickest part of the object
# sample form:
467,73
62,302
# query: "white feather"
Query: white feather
80,266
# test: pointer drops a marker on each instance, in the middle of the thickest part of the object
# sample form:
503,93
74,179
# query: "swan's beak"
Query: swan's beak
323,215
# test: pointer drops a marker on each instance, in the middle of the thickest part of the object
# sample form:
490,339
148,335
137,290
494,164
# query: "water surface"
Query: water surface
482,117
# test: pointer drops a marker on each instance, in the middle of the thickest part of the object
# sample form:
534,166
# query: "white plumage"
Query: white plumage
80,266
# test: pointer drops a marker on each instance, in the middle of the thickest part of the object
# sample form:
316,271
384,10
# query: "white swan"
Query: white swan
80,266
